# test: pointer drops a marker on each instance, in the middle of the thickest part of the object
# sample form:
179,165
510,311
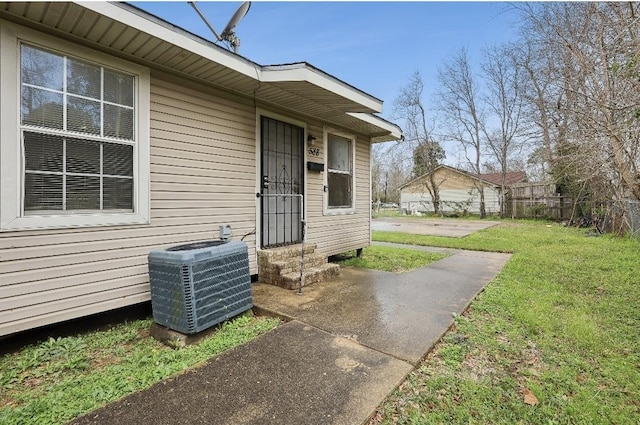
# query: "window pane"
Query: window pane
118,193
339,153
339,190
42,192
42,152
83,193
75,96
118,159
118,122
42,68
83,156
83,79
118,88
42,108
83,115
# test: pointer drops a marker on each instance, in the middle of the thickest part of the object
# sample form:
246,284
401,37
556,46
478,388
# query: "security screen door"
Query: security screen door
282,180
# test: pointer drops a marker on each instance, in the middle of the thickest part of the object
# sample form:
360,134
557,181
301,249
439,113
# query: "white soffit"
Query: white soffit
388,131
126,15
286,77
131,32
303,72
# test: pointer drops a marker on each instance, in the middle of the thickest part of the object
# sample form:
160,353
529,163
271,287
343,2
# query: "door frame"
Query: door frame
287,119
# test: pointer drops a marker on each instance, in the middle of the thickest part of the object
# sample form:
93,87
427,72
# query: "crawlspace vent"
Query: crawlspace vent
199,285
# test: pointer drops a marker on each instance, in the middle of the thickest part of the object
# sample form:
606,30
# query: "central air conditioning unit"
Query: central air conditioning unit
198,285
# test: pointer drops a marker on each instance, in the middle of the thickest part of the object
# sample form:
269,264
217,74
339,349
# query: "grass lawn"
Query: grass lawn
395,260
60,379
554,339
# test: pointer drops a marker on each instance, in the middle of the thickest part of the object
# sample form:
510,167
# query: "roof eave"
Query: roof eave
154,42
303,72
388,131
351,98
137,18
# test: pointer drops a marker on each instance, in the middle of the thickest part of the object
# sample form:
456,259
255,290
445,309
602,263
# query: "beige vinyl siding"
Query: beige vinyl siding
339,233
202,176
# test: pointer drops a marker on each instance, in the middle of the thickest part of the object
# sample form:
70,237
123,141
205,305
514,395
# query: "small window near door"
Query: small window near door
340,169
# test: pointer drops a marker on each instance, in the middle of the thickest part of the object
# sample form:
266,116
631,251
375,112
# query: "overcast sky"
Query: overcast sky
374,46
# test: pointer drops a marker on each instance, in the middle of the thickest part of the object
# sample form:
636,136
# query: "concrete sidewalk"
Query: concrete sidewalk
349,343
452,228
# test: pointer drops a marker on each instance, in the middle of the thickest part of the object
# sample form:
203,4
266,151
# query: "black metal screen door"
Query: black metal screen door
282,180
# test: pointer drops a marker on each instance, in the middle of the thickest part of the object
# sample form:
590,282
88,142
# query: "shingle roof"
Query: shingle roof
510,178
495,179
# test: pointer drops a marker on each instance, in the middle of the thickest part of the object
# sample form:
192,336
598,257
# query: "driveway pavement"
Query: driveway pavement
348,343
454,228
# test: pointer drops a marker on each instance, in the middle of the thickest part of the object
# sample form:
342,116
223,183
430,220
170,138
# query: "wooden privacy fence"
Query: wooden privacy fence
537,200
554,208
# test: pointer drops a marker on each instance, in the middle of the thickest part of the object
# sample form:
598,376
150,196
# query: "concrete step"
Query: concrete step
310,275
285,252
292,265
271,271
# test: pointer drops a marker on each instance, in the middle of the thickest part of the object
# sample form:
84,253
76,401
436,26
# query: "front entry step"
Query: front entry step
281,266
310,275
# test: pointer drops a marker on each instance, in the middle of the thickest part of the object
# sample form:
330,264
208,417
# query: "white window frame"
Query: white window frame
12,215
338,210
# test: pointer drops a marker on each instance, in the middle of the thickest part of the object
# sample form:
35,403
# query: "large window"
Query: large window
78,133
81,140
340,172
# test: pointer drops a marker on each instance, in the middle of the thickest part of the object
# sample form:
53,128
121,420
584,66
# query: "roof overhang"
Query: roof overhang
380,129
126,31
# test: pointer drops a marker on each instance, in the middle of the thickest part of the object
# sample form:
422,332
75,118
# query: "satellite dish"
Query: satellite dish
236,18
228,34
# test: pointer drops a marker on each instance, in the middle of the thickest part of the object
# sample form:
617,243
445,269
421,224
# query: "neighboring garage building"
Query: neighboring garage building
459,191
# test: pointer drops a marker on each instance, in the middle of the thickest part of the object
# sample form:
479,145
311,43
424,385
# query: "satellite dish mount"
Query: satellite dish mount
228,34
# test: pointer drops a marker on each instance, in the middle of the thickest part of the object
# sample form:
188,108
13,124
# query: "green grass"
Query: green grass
60,379
385,212
560,321
395,260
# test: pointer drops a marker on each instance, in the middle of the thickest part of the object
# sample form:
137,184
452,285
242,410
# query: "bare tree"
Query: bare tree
388,172
459,102
428,153
588,58
537,89
377,173
505,103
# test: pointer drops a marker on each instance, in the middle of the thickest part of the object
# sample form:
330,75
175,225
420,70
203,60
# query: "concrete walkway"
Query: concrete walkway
449,227
348,344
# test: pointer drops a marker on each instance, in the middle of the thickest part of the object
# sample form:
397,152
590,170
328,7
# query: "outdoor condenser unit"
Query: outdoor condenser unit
198,285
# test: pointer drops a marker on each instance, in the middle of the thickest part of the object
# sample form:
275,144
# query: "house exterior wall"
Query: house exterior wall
457,194
337,233
202,175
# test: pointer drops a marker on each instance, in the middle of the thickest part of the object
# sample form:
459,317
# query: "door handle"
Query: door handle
265,182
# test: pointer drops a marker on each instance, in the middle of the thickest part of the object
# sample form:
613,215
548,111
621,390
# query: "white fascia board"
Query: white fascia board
274,73
392,129
304,73
141,23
